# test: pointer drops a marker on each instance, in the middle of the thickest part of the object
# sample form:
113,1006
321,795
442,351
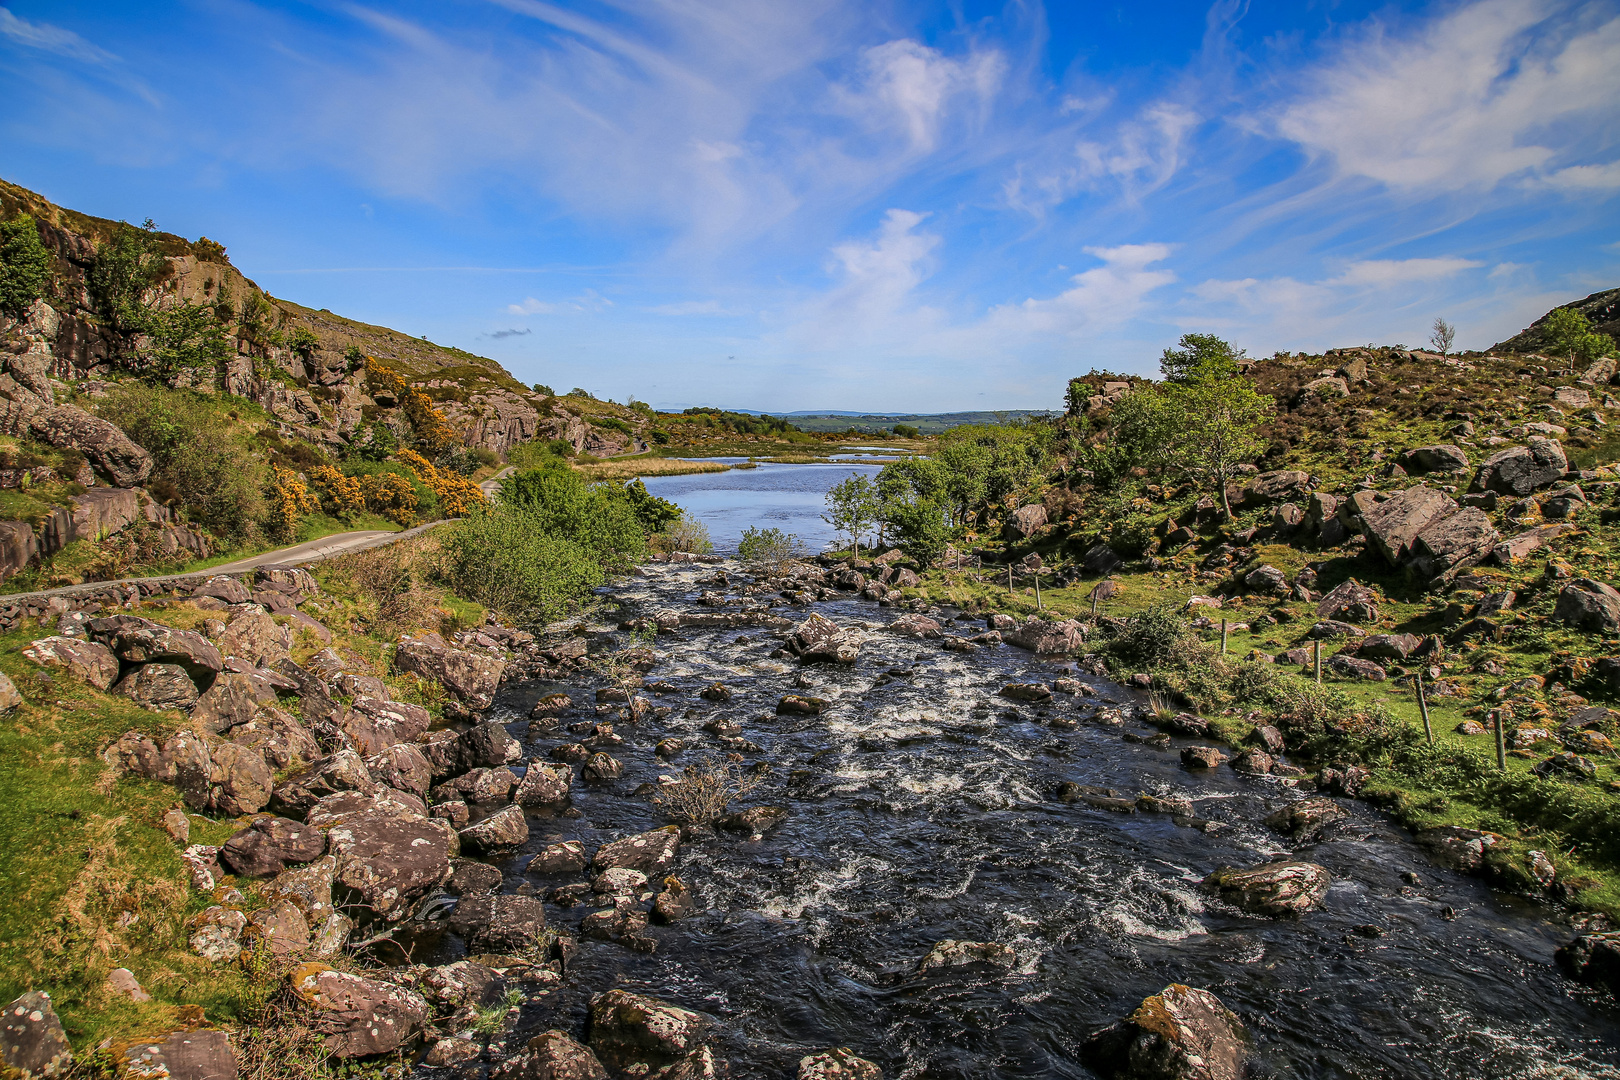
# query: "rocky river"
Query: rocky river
922,806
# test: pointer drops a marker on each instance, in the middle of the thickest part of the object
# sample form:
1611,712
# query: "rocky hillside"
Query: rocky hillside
307,368
1601,309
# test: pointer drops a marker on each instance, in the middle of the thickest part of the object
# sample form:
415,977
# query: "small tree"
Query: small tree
1570,334
852,507
125,270
1442,336
1210,411
25,265
1200,355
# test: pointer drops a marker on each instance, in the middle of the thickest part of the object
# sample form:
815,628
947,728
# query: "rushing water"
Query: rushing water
787,497
920,809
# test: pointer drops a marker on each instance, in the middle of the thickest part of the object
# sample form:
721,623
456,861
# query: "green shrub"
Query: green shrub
203,459
601,518
125,269
537,454
427,503
768,551
1152,638
25,265
507,559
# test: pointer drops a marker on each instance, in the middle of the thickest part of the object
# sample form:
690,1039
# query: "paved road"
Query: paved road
492,486
313,551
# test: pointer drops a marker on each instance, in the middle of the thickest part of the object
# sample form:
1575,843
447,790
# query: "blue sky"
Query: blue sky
861,205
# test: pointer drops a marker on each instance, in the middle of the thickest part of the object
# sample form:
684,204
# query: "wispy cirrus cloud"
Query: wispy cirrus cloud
51,39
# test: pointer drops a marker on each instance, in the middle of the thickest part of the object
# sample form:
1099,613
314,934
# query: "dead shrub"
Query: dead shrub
705,790
391,585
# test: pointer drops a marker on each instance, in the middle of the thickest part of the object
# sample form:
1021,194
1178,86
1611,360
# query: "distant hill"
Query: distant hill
1602,310
926,423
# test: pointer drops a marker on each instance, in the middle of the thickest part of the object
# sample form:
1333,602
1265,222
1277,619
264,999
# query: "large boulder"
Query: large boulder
140,641
1180,1033
499,923
1444,458
819,639
232,700
1453,543
1276,889
359,1016
1026,521
1589,605
266,847
402,766
32,1040
839,1063
373,725
1283,484
471,678
387,859
1040,636
1391,526
544,784
1519,470
1593,959
107,447
159,687
257,638
482,746
650,852
631,1029
551,1055
342,771
506,828
86,660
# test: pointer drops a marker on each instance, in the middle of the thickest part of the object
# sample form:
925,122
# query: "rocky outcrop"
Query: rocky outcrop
470,677
104,444
84,660
820,640
387,859
159,687
1519,470
1180,1033
32,1040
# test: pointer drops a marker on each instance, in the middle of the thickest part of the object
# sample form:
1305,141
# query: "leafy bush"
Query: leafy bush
374,442
184,338
203,460
685,534
539,455
402,499
542,388
507,559
1152,638
125,270
601,519
25,265
768,551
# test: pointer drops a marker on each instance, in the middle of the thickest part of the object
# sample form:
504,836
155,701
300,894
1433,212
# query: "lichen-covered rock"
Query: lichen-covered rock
1589,605
233,699
138,641
1353,667
281,928
839,1063
952,953
342,771
819,639
200,1054
470,677
1459,848
373,725
1593,959
387,859
544,784
504,923
506,828
1202,757
360,1017
216,934
551,1055
1180,1033
1046,638
32,1040
401,766
1519,470
282,741
564,858
675,902
105,444
257,638
650,852
602,767
1276,889
463,983
1306,818
631,1029
266,847
87,660
308,888
159,687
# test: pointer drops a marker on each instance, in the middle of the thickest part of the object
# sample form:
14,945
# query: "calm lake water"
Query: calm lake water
787,497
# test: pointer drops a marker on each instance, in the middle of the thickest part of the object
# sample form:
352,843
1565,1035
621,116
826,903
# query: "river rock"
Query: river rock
915,626
628,1030
755,821
1593,959
650,852
342,771
1202,757
601,768
387,860
499,923
675,902
1519,470
506,828
1459,848
564,858
159,687
360,1016
462,982
469,677
264,848
820,640
1306,818
32,1040
484,745
799,705
1040,636
951,953
1275,889
551,1055
1180,1033
1267,738
104,444
544,784
1026,692
839,1063
93,663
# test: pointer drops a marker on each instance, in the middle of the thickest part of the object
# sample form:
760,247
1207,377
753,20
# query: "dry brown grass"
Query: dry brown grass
630,468
391,586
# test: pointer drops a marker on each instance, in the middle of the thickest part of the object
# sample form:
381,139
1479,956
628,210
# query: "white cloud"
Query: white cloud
52,39
1491,91
589,300
1380,273
1136,157
909,86
691,307
1105,296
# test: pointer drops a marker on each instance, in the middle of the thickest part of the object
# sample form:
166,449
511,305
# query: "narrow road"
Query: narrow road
492,486
313,550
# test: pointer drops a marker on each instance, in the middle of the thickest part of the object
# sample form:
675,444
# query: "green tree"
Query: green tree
125,270
912,500
25,265
183,337
852,507
1570,335
768,551
1208,412
1198,356
601,518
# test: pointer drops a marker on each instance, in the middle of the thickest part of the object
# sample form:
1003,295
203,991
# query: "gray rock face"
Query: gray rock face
387,860
1519,470
18,546
159,687
32,1040
839,1063
86,660
107,447
1180,1033
629,1029
470,677
1589,605
185,1055
552,1055
1277,889
1391,526
1445,458
820,640
651,852
138,641
361,1017
257,638
232,700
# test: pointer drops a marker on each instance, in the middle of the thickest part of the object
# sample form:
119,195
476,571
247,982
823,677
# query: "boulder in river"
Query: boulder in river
1593,959
506,828
1459,848
1202,757
629,1030
839,1063
471,678
551,1055
820,640
951,953
800,705
360,1016
1306,818
1180,1033
1276,889
388,860
650,852
1026,692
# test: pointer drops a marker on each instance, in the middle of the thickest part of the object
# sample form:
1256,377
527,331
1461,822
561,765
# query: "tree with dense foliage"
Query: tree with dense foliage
1208,412
852,507
1198,356
1570,335
125,270
25,265
183,340
768,551
912,500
